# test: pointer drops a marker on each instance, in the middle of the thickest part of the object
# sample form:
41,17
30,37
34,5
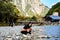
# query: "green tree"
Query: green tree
55,8
7,10
33,18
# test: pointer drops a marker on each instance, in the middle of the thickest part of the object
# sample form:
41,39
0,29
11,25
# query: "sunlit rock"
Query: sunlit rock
29,8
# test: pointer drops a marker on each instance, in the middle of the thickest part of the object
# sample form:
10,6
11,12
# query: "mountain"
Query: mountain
55,8
30,8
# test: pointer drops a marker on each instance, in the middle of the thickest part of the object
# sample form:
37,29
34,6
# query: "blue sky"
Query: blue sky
49,3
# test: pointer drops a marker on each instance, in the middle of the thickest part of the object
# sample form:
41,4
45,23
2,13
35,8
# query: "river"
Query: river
50,32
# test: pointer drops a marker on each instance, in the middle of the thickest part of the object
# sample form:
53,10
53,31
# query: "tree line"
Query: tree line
7,10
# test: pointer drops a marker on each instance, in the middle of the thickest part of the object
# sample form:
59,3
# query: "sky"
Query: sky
49,3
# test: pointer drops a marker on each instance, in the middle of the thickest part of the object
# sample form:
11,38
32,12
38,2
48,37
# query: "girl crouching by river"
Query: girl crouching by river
27,29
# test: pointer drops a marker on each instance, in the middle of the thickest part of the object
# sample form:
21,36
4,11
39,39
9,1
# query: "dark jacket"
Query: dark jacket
26,27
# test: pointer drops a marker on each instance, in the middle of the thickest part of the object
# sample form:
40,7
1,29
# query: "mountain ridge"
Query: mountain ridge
29,8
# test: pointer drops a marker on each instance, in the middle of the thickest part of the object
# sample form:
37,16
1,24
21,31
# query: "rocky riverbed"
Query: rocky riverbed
38,33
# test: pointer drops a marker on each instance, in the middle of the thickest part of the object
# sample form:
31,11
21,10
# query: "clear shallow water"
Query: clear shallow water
49,30
52,31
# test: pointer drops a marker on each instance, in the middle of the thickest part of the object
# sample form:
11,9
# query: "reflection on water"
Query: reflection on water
40,32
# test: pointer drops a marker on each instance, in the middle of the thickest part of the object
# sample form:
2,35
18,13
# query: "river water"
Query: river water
50,32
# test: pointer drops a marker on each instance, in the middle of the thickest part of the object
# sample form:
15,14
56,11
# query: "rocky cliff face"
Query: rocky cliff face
29,8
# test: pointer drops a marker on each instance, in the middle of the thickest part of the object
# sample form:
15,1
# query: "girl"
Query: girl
27,29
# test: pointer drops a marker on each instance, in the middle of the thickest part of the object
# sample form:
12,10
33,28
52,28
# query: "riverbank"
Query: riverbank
42,23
